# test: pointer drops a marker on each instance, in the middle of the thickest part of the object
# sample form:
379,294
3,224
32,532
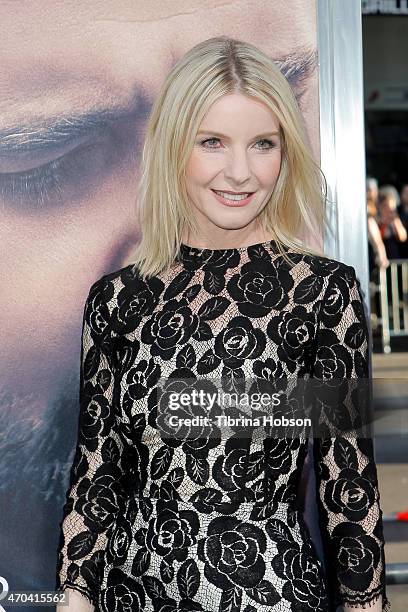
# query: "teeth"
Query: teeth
230,196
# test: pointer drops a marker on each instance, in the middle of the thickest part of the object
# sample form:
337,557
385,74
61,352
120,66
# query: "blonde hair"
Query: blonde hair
390,194
211,69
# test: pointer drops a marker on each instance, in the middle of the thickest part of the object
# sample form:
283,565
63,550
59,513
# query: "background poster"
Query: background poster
77,81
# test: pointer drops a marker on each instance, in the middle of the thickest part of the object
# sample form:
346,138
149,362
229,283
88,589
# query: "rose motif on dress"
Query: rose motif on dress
259,287
296,564
119,543
139,382
358,555
173,531
335,302
232,553
322,266
98,502
268,369
303,588
239,341
96,311
333,360
169,328
350,494
230,469
122,593
293,332
135,301
97,419
195,440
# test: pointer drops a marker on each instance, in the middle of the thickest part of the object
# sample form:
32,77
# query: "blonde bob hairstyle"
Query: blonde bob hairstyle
211,69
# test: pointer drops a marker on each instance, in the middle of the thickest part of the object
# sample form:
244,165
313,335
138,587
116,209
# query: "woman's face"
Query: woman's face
237,149
387,207
372,192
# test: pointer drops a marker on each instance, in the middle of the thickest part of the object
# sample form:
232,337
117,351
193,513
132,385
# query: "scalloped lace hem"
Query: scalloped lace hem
77,587
367,604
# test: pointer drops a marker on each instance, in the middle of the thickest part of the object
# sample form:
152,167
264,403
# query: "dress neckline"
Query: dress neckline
196,257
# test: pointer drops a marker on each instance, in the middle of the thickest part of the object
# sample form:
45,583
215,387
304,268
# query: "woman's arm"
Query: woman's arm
375,238
76,603
347,493
399,229
95,492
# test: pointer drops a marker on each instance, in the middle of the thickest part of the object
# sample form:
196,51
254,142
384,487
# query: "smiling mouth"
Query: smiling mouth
233,199
235,196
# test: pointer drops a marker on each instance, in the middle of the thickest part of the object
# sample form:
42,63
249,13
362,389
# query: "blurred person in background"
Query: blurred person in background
392,230
372,190
377,255
403,213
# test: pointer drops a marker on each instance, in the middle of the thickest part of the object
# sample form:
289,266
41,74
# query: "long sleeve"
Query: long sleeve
94,495
347,494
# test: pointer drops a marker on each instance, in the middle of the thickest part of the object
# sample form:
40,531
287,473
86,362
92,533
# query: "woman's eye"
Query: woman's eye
203,142
268,144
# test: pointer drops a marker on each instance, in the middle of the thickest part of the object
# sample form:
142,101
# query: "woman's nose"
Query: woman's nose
237,167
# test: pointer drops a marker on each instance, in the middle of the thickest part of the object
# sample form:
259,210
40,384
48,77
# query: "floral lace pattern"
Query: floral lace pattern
167,525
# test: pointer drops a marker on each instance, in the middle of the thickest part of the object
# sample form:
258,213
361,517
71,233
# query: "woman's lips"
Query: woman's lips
233,203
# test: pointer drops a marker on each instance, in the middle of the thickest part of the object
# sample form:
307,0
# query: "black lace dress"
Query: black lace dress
154,524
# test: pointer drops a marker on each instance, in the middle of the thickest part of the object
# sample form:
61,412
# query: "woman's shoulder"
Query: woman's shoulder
122,294
329,269
110,280
103,292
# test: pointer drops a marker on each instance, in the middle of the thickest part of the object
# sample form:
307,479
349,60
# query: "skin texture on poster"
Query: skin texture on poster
77,81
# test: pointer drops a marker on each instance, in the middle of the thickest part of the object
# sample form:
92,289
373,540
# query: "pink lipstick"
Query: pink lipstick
233,203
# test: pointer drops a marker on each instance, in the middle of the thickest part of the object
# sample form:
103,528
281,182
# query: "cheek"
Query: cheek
199,170
267,170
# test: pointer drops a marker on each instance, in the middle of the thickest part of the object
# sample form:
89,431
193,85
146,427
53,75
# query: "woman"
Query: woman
392,230
222,286
377,256
403,215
